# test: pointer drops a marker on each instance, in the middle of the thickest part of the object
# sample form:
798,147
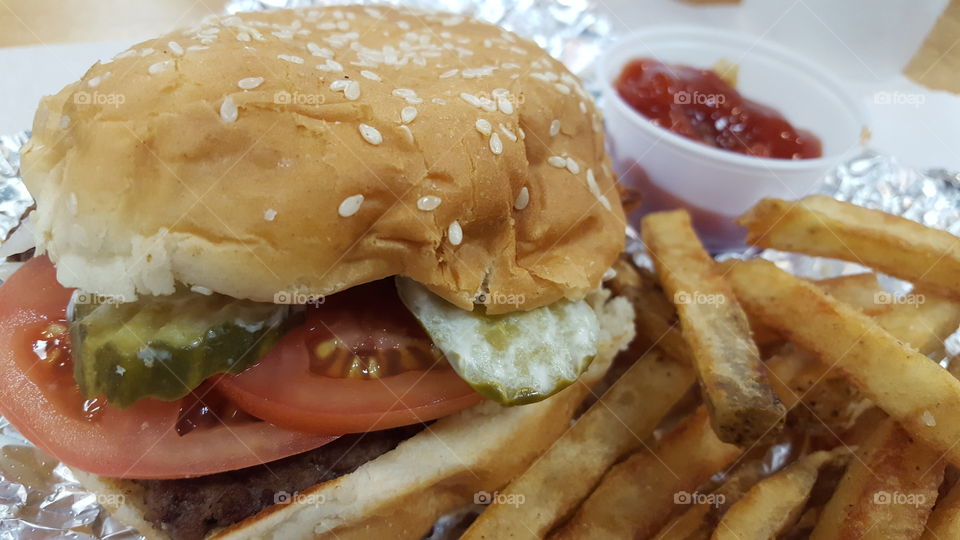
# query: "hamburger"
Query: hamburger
315,272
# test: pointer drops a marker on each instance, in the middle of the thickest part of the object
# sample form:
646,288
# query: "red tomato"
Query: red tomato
366,329
39,396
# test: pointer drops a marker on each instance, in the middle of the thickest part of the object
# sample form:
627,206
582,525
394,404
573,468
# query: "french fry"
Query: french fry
908,386
701,519
859,290
822,226
944,522
887,492
774,504
637,496
743,408
614,426
829,397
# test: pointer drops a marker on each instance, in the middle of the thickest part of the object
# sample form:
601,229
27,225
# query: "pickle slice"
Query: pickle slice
515,358
165,346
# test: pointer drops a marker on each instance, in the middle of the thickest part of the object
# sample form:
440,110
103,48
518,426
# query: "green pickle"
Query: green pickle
163,347
515,358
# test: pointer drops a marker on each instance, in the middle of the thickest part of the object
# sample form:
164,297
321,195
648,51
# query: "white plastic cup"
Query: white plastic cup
716,185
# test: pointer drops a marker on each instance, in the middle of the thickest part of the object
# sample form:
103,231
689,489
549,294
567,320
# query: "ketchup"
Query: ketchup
699,105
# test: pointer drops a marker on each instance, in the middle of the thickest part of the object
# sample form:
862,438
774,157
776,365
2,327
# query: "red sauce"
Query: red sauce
699,105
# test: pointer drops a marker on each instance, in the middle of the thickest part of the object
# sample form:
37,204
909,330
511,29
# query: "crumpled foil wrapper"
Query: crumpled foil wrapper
39,497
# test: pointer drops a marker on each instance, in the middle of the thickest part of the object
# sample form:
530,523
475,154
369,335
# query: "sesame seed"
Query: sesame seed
448,74
487,104
64,122
370,75
455,233
428,203
243,36
270,214
352,91
592,181
496,145
339,85
228,110
199,289
484,126
197,48
147,52
406,130
928,419
370,134
470,98
559,162
159,67
504,105
562,88
175,48
554,128
509,134
290,58
438,101
523,199
609,274
72,203
250,83
317,50
583,107
350,205
408,114
523,134
94,82
572,166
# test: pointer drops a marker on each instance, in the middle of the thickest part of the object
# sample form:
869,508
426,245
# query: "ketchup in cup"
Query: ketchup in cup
701,106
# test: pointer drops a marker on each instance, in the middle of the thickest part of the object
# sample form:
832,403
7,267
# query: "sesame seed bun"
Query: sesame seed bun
283,155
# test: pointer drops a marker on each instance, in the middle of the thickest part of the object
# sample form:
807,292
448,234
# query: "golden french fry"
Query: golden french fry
823,226
774,504
743,408
944,522
614,426
701,519
887,492
861,291
908,386
637,496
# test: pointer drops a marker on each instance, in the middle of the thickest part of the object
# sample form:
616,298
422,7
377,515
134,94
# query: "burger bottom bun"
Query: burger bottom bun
402,493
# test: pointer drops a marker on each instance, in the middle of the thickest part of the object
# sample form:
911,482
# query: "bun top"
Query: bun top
283,155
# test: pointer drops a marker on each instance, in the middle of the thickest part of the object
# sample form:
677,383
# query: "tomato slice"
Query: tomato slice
391,379
39,397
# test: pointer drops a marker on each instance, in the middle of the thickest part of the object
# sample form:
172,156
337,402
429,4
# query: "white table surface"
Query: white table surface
923,135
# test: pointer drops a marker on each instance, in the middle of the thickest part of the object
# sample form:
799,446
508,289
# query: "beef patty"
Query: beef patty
190,508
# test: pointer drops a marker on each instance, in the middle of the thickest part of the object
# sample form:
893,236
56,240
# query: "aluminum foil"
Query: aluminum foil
40,499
